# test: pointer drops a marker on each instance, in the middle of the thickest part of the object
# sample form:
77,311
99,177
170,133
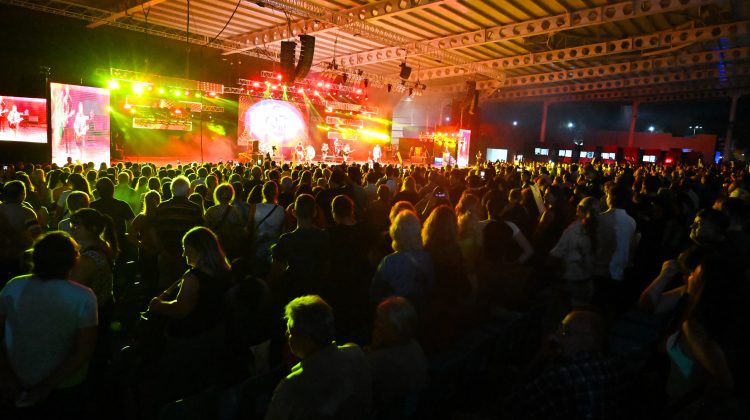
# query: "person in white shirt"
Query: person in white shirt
616,237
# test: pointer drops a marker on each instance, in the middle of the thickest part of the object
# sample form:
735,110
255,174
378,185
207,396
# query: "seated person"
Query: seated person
330,381
399,366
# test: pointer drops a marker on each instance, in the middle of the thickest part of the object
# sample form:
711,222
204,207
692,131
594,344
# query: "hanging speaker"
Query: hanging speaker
405,71
305,56
287,56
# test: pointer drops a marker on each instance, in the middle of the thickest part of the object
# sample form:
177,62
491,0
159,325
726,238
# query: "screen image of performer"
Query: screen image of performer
376,153
3,112
299,153
14,120
324,151
62,111
81,128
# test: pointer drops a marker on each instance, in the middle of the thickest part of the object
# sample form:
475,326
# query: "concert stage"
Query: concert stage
26,133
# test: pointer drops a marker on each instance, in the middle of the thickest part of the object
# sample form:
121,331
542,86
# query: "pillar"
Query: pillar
633,118
543,129
727,152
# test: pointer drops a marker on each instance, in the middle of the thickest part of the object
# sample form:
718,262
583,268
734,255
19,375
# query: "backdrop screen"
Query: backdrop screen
271,123
23,119
80,123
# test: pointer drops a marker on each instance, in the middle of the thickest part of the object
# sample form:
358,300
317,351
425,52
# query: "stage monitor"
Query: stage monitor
608,156
565,153
80,124
272,123
495,155
649,158
23,119
541,151
587,155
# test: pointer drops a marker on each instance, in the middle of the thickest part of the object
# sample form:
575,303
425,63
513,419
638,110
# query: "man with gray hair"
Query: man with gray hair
398,363
174,217
330,381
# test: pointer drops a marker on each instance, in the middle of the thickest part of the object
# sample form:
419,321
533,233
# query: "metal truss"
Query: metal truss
312,25
665,39
356,25
652,94
576,19
607,70
723,75
677,77
91,14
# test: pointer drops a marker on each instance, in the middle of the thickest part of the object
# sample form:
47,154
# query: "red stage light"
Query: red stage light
359,90
256,84
301,91
328,85
278,76
320,84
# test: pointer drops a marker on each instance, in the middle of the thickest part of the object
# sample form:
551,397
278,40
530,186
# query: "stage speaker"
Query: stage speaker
305,56
287,56
472,96
405,71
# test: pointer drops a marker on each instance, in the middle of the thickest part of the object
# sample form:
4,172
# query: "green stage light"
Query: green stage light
113,84
177,93
161,91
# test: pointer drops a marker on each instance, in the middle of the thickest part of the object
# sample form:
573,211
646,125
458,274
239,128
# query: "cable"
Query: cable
226,24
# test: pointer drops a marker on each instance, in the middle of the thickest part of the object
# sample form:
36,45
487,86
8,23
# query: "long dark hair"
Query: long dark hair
99,223
212,258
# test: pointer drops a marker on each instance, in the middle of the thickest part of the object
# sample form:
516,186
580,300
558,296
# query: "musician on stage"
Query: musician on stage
299,153
14,120
346,151
310,153
324,151
336,147
376,153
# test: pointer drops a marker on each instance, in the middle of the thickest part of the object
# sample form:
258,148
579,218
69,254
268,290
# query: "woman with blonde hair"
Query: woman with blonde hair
408,271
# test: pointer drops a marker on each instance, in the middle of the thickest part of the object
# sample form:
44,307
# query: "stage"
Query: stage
27,133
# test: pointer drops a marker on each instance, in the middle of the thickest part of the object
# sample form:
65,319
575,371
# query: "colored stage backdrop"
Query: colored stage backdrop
23,119
80,123
272,124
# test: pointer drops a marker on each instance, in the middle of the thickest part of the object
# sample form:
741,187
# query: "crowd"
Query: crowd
356,291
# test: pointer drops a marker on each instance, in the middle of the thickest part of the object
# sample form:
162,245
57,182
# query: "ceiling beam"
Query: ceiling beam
666,39
92,14
314,25
653,79
357,25
575,19
651,94
127,12
615,69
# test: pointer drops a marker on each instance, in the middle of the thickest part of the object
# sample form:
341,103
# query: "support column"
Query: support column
633,118
727,152
543,129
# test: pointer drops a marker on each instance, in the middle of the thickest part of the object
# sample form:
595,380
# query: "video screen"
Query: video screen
608,156
273,124
649,158
541,152
23,119
565,153
587,155
80,124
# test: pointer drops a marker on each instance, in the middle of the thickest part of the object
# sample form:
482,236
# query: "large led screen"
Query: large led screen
271,123
23,119
80,123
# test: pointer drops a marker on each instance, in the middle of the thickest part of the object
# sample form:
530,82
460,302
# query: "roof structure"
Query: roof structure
512,49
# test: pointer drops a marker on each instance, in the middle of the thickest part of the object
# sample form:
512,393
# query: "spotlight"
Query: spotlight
113,84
